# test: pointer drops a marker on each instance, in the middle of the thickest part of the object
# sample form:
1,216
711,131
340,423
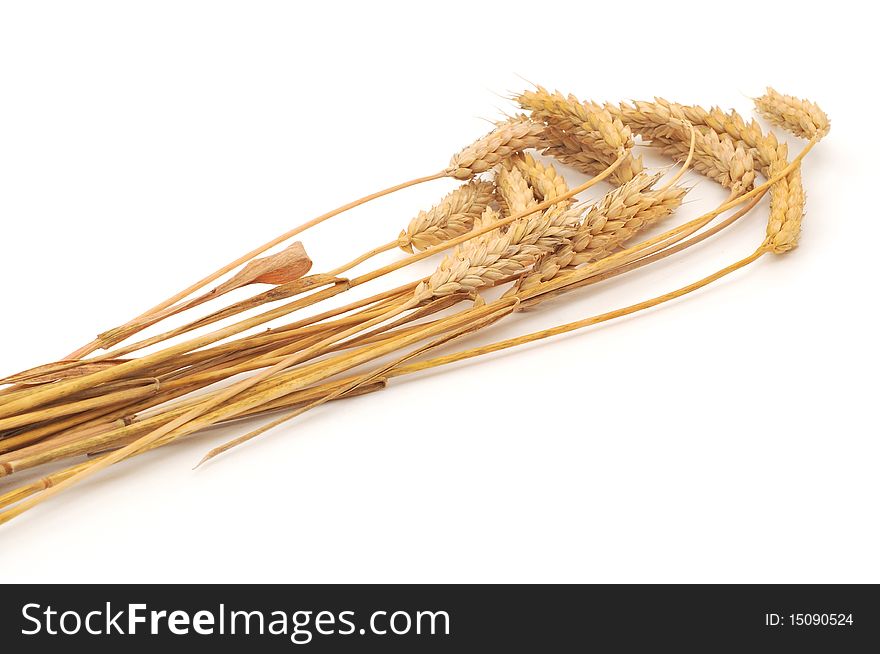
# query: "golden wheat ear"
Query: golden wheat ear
806,120
518,133
515,190
545,180
582,135
453,216
800,117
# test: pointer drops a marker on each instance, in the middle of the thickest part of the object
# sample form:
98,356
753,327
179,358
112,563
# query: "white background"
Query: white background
729,436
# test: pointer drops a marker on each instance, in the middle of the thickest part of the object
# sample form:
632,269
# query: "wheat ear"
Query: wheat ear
717,156
583,135
800,117
499,254
513,135
608,224
516,195
453,216
545,180
786,195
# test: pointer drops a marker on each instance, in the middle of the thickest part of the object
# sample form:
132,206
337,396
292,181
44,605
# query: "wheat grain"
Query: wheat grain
453,216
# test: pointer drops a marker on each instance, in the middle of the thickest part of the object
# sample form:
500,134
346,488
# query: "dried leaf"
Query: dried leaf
286,266
283,270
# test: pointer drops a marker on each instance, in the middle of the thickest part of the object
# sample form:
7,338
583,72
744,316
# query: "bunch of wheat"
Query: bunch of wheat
514,221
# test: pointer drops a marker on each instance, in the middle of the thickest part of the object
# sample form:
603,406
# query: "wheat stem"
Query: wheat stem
391,245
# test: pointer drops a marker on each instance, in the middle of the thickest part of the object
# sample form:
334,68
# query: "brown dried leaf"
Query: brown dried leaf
286,266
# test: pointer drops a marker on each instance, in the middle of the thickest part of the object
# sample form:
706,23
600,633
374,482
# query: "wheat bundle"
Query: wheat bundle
513,222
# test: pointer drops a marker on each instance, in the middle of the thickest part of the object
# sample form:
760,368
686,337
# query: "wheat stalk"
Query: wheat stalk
18,496
450,332
490,258
253,404
193,417
40,396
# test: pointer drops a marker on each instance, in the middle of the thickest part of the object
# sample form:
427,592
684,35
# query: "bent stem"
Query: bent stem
391,245
688,161
579,324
